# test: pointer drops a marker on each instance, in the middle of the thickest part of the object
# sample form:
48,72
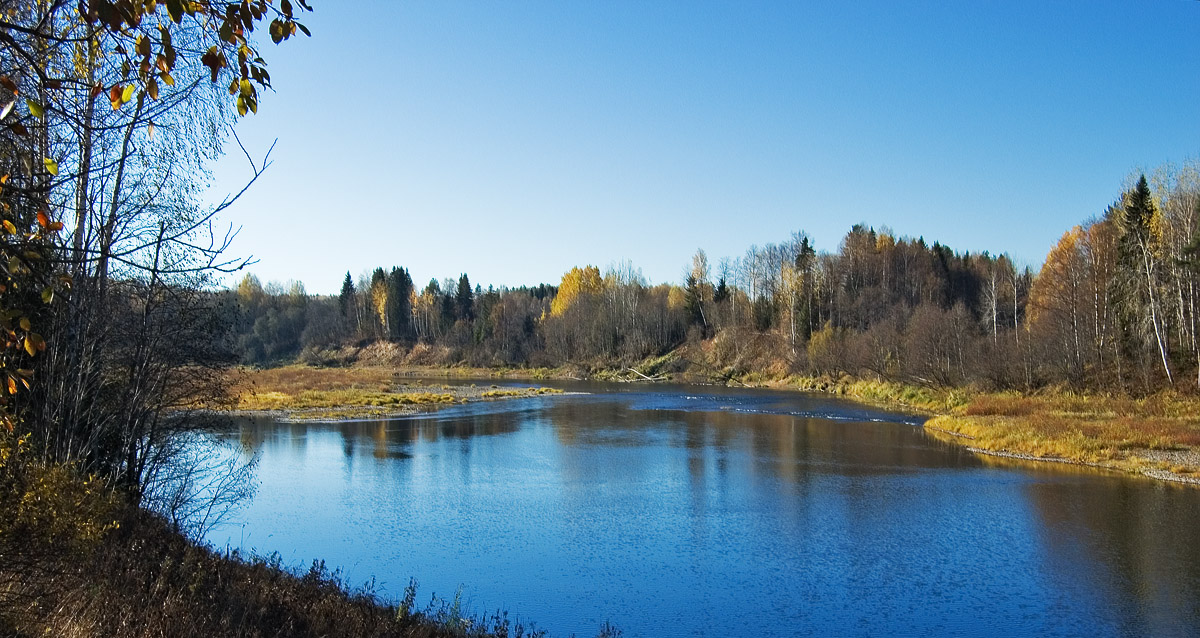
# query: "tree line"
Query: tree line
1113,308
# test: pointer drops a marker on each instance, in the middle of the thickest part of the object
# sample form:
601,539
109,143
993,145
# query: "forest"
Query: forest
118,334
1113,308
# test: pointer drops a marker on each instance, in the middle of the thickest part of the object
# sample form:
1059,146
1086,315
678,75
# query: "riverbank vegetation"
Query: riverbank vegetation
1156,435
1113,310
79,561
305,393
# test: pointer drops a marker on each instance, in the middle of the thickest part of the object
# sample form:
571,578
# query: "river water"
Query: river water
692,511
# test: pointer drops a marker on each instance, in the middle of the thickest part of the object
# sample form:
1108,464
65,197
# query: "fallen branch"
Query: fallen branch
658,378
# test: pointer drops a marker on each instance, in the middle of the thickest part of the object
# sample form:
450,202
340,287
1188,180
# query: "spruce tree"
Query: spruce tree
465,299
1138,282
346,298
692,301
721,294
399,304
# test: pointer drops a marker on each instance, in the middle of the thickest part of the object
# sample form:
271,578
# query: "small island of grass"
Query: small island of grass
302,393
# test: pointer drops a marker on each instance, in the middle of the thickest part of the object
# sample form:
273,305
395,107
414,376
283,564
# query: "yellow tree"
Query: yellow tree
576,282
379,299
1057,301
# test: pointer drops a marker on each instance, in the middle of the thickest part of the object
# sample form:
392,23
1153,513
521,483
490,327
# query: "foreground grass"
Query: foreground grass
145,580
77,561
303,392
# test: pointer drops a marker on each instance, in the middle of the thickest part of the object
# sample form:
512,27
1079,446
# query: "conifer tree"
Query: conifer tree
464,300
346,298
721,294
399,304
1139,253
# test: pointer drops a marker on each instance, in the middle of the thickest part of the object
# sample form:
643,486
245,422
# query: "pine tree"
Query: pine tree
464,300
692,302
806,261
399,304
346,298
721,294
1138,257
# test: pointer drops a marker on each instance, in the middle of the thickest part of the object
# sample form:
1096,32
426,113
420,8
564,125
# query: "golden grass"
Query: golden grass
295,379
331,393
1116,431
310,399
523,392
883,392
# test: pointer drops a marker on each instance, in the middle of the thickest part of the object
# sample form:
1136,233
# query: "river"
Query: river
694,511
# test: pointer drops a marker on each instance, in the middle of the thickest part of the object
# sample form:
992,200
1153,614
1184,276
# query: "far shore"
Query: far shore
1156,436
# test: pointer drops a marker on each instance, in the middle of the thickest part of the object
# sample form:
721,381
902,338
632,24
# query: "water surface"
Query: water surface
686,511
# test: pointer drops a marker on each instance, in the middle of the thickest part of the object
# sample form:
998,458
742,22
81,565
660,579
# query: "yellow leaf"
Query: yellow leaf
25,325
9,228
31,348
127,94
35,109
51,166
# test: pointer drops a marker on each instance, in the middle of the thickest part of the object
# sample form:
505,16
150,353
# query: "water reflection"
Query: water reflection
678,512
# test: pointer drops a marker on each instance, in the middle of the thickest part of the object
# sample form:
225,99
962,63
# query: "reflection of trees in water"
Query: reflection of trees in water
1133,542
792,445
386,439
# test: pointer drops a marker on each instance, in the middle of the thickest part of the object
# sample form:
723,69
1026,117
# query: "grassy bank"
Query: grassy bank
77,561
301,392
143,579
1157,436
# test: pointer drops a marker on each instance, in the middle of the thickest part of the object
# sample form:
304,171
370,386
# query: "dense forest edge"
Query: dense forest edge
118,342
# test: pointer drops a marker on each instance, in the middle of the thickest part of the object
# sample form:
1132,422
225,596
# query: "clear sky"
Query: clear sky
514,140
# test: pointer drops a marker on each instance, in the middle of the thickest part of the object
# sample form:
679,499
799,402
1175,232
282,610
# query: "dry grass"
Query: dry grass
521,392
293,380
145,580
1114,431
340,393
885,393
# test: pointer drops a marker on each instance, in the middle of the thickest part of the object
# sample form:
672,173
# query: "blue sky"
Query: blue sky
514,140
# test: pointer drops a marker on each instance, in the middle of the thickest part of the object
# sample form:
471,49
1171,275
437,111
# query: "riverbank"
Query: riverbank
1156,436
98,568
302,393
